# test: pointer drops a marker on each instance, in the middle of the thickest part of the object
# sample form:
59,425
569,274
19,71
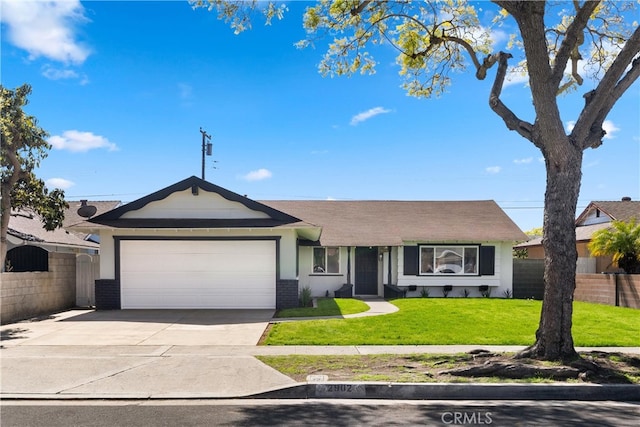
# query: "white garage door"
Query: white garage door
197,274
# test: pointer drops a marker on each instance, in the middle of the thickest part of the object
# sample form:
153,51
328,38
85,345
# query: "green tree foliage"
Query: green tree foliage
436,39
622,242
22,147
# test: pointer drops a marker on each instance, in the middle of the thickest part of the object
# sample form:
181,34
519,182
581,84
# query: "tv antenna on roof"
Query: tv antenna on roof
207,147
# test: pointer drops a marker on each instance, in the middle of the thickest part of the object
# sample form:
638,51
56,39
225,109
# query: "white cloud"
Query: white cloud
516,77
523,161
608,126
76,141
258,175
62,74
46,28
366,115
493,169
61,183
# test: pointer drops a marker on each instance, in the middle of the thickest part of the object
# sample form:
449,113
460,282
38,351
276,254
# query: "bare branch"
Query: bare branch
574,37
600,101
356,10
510,119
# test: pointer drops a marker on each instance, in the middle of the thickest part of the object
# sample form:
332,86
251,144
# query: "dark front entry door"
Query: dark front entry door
366,269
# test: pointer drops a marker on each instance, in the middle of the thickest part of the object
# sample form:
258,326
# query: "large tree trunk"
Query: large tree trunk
553,337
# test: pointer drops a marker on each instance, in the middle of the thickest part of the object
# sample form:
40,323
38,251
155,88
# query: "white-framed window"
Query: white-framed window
326,260
462,259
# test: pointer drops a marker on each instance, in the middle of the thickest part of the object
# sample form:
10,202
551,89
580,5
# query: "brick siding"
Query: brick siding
287,294
108,294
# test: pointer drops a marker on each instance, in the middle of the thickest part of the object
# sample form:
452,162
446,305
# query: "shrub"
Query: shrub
446,289
424,292
305,297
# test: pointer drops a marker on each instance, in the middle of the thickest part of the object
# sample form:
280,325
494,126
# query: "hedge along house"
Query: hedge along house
197,245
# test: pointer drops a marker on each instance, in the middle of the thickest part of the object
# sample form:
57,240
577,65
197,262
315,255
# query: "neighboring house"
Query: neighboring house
71,216
29,243
196,245
596,216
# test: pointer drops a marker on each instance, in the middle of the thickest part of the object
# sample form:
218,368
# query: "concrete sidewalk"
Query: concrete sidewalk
173,372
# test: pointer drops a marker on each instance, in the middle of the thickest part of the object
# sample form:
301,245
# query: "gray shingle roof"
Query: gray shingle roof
29,227
71,216
390,223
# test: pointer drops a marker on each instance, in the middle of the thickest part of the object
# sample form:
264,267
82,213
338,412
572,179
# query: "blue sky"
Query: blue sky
124,87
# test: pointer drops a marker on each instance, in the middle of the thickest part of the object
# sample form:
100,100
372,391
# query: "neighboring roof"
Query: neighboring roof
28,227
621,210
583,233
71,216
390,223
114,218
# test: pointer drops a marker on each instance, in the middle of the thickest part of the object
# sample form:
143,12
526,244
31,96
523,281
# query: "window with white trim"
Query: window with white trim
326,260
461,260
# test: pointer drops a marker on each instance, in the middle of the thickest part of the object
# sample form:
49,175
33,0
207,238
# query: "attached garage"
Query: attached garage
212,274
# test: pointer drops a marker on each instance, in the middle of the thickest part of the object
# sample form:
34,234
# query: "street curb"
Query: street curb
384,391
458,391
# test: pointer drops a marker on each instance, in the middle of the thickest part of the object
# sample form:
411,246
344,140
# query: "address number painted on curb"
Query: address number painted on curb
340,390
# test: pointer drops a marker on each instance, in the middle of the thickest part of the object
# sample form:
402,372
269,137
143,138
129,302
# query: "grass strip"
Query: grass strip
474,321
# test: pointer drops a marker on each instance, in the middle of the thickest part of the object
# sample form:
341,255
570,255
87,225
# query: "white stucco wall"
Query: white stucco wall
500,282
184,204
321,283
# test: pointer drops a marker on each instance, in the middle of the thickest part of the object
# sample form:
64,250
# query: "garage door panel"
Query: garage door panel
198,274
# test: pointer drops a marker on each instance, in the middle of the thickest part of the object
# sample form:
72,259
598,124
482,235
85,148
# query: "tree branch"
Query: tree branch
600,101
510,119
572,40
356,10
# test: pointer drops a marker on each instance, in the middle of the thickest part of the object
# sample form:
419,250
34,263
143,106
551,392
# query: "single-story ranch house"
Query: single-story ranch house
197,245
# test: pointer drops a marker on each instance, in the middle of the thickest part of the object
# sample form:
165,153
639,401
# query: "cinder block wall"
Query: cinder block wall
601,288
598,288
31,294
629,290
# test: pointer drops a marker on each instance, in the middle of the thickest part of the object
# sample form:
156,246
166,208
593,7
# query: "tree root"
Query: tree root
515,370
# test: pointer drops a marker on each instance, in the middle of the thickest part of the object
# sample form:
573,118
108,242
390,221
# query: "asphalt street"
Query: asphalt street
318,413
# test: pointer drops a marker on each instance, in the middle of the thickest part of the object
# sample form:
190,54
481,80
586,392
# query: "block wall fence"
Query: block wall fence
612,289
31,294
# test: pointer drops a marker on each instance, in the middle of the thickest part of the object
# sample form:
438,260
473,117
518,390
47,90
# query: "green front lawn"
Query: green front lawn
442,321
327,307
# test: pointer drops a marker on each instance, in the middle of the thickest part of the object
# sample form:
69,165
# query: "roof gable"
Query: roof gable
606,211
196,203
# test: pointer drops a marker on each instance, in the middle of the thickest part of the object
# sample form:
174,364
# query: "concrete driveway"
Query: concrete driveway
140,327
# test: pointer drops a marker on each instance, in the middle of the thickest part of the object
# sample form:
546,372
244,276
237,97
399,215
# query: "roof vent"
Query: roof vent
626,199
